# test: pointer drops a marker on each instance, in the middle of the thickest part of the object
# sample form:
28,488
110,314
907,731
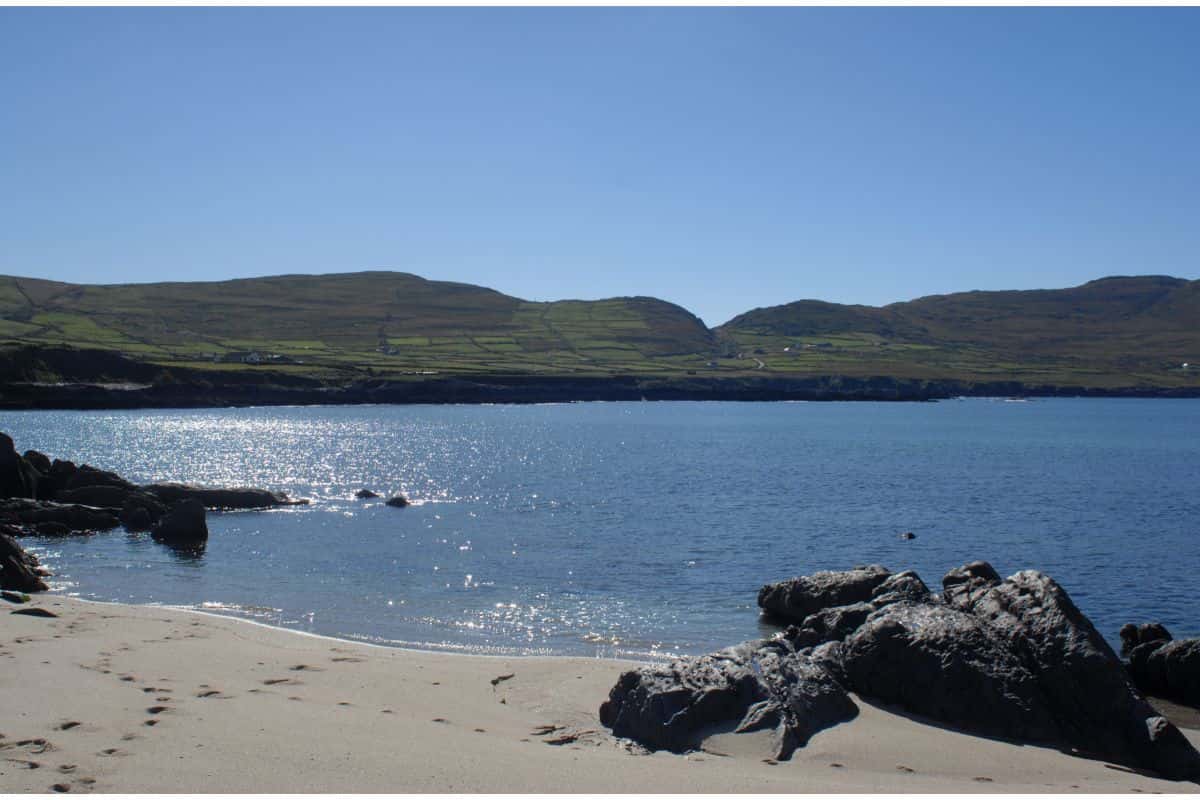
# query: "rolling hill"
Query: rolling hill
1108,332
1111,333
385,321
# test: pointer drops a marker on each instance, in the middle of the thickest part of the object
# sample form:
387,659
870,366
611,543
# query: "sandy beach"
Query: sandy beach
117,698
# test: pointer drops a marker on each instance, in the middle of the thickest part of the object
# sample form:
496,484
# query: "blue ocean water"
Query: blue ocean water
637,529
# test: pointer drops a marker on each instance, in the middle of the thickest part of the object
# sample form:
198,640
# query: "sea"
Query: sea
636,530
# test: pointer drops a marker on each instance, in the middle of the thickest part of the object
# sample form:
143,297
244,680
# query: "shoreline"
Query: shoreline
111,697
265,390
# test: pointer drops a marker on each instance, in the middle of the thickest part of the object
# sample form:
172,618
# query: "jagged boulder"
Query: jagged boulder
18,569
209,497
946,664
797,598
1084,684
184,525
757,685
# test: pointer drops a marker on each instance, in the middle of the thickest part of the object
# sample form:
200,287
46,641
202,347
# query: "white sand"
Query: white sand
239,707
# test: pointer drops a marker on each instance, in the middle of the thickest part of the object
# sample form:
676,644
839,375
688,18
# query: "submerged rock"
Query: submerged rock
797,598
209,497
365,494
399,501
757,685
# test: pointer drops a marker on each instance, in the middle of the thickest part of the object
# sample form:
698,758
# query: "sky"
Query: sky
721,158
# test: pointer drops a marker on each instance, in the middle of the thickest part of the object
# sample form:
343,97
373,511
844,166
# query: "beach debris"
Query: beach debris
499,679
36,611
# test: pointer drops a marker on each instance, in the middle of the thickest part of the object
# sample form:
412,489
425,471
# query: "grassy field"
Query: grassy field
1110,333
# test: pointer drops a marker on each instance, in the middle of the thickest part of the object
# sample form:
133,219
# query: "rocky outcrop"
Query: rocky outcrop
184,525
757,685
1096,708
365,494
19,570
209,497
18,477
399,501
1011,658
72,518
795,599
1161,666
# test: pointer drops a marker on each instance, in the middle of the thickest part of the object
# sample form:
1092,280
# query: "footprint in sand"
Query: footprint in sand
902,768
156,709
982,779
209,693
348,660
111,752
275,681
304,668
24,762
66,726
61,787
150,723
344,703
66,769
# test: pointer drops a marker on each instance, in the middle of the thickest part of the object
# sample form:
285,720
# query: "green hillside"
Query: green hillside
383,321
1110,332
1113,332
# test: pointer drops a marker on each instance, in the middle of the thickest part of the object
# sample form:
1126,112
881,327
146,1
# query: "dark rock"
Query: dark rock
38,461
1085,687
1171,671
98,496
76,518
399,501
946,664
184,524
797,598
1134,635
18,478
52,529
905,585
833,624
961,586
908,535
237,498
365,494
87,475
35,612
141,511
753,686
17,568
57,478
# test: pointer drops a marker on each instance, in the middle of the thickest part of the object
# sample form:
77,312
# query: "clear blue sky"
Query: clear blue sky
720,158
